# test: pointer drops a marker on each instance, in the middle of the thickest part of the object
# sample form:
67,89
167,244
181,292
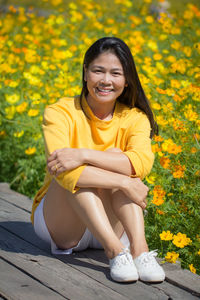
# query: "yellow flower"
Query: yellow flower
175,83
21,107
192,268
150,179
156,106
152,45
149,19
171,257
176,45
30,151
10,112
33,112
12,99
18,134
13,84
161,121
166,236
180,240
157,56
191,115
198,252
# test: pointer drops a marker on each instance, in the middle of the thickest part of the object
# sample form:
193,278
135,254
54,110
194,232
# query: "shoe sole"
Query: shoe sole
125,281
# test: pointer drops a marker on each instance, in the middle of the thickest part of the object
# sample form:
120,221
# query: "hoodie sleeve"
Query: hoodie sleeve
57,129
138,146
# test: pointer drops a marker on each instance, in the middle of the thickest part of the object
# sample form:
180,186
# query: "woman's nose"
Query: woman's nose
106,78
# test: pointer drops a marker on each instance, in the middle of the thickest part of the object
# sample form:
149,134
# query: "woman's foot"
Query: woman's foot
148,268
122,267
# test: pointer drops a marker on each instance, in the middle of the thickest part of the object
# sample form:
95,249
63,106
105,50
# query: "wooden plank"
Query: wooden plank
51,272
86,267
15,198
17,285
169,269
97,257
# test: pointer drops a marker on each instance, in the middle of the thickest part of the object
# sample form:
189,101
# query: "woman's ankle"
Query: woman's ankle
112,252
136,250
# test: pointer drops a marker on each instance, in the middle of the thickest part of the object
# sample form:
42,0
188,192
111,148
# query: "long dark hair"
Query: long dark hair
133,95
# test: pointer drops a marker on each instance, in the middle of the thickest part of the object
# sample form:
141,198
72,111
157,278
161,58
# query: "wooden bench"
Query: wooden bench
29,271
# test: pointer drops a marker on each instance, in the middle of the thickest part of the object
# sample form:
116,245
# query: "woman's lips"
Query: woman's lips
104,91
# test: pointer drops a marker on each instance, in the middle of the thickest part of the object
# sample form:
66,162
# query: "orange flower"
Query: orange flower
158,195
161,91
155,148
165,161
158,138
178,171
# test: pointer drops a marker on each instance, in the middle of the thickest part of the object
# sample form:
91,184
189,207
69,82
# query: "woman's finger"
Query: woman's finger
52,156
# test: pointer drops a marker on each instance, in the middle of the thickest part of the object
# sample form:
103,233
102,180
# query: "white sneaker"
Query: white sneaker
122,267
148,268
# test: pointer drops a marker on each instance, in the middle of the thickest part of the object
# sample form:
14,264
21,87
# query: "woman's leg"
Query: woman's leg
131,217
67,215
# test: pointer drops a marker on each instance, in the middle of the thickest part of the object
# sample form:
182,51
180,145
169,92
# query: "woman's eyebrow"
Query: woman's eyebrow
114,69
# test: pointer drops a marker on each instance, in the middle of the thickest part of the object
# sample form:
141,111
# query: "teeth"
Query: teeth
105,91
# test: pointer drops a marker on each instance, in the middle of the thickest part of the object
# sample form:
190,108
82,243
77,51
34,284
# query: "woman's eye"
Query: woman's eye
97,71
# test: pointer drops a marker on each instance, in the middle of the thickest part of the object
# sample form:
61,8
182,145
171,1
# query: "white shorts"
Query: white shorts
87,240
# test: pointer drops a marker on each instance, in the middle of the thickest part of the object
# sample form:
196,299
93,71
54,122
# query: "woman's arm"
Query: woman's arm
68,158
134,188
137,159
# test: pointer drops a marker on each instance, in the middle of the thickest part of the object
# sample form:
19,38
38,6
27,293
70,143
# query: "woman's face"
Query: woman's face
105,78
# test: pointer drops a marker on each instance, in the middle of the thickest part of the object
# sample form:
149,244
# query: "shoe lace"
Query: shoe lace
149,258
124,258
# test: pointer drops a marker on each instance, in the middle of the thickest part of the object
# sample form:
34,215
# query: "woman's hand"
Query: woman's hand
136,191
65,159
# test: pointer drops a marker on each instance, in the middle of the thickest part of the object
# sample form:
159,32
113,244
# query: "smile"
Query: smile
106,91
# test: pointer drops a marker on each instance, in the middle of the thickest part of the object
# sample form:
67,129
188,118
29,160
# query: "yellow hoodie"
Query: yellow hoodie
67,125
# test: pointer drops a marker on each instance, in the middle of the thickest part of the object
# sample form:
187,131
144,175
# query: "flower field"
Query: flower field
41,61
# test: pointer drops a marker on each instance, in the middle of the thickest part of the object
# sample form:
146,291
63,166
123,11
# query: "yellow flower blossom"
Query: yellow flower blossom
181,240
10,112
176,45
152,45
171,257
12,99
149,19
157,56
30,151
166,236
175,83
33,112
56,2
21,107
192,268
150,179
161,121
18,134
156,106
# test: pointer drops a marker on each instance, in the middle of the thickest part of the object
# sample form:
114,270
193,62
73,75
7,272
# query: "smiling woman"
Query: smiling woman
98,150
105,83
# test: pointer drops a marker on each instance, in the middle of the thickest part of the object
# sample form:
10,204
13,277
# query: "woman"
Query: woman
99,148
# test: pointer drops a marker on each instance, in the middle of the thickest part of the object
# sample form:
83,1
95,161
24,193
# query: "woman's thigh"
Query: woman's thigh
64,225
